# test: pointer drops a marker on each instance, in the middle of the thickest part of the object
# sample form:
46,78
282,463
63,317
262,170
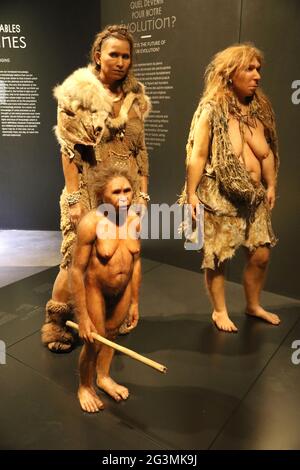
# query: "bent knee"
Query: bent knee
112,332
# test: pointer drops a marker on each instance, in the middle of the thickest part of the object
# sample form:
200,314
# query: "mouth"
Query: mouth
252,88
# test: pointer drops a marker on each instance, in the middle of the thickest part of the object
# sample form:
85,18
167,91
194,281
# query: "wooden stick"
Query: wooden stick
129,352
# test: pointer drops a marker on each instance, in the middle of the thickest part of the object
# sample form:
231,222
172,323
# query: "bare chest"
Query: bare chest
114,241
248,139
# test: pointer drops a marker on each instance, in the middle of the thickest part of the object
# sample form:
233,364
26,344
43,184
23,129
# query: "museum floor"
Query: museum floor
222,391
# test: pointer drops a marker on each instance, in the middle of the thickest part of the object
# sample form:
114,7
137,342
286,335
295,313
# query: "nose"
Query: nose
257,75
120,62
123,199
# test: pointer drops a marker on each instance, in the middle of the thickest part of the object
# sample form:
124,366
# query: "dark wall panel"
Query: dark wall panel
274,27
58,37
201,28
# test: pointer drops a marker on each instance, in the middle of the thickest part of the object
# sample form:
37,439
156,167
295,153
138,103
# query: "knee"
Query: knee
112,332
91,349
261,260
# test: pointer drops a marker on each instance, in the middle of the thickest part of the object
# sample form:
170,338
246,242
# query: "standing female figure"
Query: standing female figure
232,164
101,112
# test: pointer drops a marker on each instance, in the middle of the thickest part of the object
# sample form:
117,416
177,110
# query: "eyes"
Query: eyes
125,191
252,67
116,55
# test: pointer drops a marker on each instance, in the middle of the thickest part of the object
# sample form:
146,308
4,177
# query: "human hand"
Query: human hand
142,201
271,196
140,208
194,202
86,327
133,316
76,212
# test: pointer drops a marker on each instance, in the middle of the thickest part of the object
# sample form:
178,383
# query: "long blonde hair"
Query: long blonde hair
218,84
219,72
218,97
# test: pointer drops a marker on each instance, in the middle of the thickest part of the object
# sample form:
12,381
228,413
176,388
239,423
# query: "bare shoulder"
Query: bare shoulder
134,218
134,225
86,230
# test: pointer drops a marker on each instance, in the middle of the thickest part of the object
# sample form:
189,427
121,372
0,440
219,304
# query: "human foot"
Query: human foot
223,322
57,346
260,312
89,401
116,391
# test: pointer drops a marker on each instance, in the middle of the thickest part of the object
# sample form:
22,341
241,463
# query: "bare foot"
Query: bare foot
223,322
260,312
116,391
89,401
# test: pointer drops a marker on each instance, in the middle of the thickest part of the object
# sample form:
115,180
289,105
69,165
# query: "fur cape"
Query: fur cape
85,107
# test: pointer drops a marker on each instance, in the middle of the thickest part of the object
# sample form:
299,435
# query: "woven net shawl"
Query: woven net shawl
231,175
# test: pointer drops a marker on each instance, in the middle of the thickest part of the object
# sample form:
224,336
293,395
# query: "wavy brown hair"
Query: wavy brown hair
100,177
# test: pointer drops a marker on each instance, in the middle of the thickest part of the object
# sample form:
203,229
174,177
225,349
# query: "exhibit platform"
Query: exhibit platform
222,391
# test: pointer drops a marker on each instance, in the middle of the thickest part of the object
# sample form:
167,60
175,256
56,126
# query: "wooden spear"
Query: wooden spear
128,352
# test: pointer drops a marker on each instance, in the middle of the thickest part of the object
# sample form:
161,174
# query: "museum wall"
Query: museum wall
40,44
175,40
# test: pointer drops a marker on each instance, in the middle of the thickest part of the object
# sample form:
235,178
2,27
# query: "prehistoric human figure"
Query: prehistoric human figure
232,163
101,112
105,277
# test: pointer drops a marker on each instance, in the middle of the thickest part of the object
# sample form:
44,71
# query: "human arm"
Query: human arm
198,159
135,287
86,236
144,183
269,176
143,167
71,175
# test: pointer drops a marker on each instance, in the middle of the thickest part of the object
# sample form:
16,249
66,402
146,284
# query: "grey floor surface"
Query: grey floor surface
222,391
27,252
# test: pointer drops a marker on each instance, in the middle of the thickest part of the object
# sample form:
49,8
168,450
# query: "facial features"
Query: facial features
118,192
245,81
114,60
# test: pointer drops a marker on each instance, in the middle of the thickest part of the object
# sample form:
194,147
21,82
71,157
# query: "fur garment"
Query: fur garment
85,108
55,329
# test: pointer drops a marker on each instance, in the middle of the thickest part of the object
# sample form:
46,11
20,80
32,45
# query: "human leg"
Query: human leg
89,401
126,326
112,324
61,289
55,335
215,283
253,281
